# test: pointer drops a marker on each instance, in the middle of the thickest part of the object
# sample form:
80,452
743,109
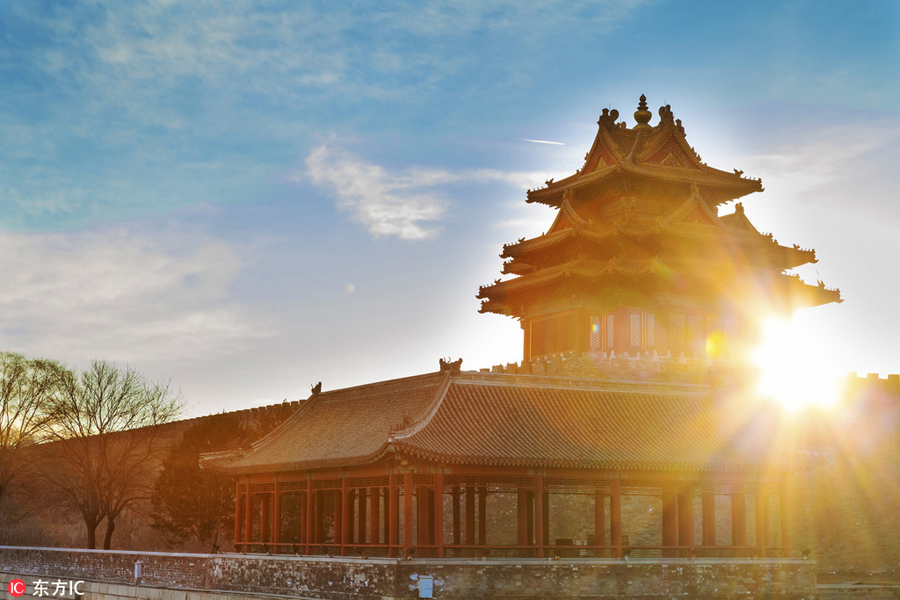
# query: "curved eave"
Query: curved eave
733,185
495,298
803,295
787,465
284,467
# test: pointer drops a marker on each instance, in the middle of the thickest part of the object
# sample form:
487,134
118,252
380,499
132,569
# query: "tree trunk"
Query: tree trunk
110,527
91,525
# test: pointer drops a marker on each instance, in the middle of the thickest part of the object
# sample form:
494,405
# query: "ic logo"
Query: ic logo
17,587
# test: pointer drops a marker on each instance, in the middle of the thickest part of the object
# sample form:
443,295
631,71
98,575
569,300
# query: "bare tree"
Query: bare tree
190,502
106,452
27,393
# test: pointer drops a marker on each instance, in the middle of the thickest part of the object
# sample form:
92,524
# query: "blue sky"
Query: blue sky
249,197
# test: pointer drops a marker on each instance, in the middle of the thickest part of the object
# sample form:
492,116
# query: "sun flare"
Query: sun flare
795,369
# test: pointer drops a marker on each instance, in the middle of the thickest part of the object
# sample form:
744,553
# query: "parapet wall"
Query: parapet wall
346,578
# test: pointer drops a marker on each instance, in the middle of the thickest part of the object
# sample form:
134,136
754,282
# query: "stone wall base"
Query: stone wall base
193,576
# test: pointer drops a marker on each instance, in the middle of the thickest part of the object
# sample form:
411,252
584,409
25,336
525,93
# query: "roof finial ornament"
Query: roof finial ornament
642,115
452,367
608,118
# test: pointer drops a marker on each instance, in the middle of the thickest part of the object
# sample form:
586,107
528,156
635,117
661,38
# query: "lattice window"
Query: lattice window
635,322
729,326
610,331
713,323
651,330
595,333
676,331
695,329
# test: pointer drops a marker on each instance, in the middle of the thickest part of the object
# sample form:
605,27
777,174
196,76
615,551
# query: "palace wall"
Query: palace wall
345,578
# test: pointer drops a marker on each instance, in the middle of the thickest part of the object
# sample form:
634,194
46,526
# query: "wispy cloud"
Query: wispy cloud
407,205
543,142
813,165
121,295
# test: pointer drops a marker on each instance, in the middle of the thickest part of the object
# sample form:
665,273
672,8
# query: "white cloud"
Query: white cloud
387,205
407,205
805,163
121,296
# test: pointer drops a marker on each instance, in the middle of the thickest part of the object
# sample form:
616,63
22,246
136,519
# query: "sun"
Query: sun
795,368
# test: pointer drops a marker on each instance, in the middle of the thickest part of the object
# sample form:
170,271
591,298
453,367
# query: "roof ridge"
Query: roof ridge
432,410
385,383
570,382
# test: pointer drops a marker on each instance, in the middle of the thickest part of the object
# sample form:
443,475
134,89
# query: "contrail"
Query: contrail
543,142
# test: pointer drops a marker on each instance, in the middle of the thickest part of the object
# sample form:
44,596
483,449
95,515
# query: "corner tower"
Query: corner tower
638,258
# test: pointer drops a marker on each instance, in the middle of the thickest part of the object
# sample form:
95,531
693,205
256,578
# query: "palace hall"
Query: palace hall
631,420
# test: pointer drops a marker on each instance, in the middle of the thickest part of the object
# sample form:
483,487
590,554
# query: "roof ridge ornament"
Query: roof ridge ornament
608,119
453,367
642,115
665,113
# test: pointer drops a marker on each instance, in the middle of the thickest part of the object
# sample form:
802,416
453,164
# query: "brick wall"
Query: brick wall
345,578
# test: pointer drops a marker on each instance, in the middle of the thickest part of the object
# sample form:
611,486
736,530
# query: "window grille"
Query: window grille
695,329
676,331
595,333
651,330
610,331
635,319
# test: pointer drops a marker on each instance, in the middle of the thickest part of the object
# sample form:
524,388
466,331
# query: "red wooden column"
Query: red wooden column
669,520
529,508
310,512
599,517
393,537
539,524
470,515
237,516
708,505
783,504
248,516
615,515
345,507
438,513
318,510
362,493
686,517
738,519
762,515
276,517
522,515
407,513
348,524
385,514
302,501
374,515
339,519
545,516
482,515
454,495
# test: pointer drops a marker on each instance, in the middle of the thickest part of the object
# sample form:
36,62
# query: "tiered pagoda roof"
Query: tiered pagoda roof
638,225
